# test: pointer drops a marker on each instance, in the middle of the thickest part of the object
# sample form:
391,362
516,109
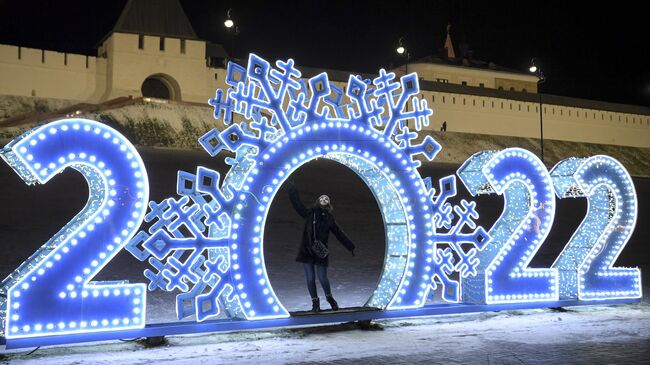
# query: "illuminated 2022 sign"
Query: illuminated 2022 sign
207,243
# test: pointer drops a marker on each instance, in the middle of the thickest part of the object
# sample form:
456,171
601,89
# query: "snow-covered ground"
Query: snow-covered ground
586,335
618,334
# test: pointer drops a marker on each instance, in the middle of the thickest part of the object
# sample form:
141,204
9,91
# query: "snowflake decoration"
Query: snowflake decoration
208,243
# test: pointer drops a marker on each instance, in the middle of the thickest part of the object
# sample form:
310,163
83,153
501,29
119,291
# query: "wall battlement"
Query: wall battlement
32,57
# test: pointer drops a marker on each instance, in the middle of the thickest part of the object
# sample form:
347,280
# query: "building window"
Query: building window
512,89
442,80
65,59
481,85
216,76
524,90
42,56
162,43
19,53
500,87
464,83
183,46
141,41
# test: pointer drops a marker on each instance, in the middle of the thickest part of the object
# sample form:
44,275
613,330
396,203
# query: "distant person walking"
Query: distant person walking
443,128
319,222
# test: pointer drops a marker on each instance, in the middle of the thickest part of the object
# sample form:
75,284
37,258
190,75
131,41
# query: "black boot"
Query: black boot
332,302
315,305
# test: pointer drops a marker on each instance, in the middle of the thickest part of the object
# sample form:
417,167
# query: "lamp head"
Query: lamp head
229,23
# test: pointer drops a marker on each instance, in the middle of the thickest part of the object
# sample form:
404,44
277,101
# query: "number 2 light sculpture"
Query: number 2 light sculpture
207,245
51,293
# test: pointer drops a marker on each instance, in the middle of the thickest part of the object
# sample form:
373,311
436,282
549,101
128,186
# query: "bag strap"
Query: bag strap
314,226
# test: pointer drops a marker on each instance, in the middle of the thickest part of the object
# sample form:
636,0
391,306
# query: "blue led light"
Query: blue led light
585,264
207,244
293,122
529,210
51,293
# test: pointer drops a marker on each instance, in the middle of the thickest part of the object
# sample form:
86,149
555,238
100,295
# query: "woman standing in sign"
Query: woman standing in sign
313,251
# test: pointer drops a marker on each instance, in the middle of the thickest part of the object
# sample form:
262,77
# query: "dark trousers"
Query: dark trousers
310,270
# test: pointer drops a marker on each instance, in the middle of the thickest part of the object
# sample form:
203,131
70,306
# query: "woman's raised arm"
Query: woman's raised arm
294,196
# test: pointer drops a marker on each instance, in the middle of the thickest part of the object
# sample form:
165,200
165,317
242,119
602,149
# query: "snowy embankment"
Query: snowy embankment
160,124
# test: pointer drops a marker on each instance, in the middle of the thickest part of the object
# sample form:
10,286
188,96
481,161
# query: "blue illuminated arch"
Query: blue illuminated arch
311,141
291,123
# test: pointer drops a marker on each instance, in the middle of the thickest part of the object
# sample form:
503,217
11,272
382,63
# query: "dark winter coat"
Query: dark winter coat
325,224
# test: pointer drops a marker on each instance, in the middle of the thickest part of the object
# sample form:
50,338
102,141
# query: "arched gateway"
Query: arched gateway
161,86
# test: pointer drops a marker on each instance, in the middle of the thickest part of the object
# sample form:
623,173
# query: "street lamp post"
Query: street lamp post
232,28
403,52
540,79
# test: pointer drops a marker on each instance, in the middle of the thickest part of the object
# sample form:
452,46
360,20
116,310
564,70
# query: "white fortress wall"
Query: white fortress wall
49,74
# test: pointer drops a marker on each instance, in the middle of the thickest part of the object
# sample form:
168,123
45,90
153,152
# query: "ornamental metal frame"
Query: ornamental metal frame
207,244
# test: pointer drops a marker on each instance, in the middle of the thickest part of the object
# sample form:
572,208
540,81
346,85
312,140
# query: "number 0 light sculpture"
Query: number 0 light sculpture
290,124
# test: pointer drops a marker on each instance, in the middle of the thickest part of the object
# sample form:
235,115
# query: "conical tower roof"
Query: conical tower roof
449,46
155,17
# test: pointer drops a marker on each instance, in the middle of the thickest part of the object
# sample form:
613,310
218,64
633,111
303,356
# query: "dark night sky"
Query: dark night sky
586,50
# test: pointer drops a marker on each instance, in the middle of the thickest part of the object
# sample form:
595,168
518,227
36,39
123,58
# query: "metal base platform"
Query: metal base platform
328,312
297,319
